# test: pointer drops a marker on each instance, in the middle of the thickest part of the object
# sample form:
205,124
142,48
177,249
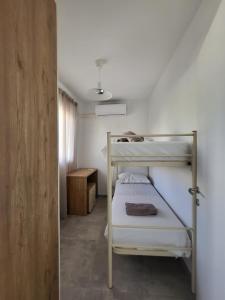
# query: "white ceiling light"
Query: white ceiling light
99,94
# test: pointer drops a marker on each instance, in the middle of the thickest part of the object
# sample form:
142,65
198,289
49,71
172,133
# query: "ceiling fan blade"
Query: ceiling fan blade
94,95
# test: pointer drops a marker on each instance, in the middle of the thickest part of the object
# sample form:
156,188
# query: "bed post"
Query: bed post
117,171
109,211
194,209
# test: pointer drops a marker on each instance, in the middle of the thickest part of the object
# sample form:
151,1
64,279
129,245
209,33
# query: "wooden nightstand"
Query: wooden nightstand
77,190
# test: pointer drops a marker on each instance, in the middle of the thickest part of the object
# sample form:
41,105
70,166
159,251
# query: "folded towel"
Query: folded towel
124,140
140,209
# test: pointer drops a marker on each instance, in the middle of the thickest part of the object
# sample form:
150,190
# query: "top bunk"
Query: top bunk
176,151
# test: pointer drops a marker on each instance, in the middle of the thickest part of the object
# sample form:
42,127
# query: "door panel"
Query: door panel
28,151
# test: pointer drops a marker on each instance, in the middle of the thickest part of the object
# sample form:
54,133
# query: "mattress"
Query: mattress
146,193
141,151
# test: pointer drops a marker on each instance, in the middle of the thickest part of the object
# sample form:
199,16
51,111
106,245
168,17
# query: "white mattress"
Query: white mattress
159,148
146,193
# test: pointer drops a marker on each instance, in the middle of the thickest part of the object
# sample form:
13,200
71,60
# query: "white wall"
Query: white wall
191,95
92,134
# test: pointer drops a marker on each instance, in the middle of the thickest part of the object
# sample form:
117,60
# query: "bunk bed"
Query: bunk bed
164,235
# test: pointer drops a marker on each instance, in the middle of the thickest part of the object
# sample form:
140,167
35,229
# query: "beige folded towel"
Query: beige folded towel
140,209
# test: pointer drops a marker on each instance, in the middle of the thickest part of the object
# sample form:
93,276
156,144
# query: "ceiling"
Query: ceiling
137,37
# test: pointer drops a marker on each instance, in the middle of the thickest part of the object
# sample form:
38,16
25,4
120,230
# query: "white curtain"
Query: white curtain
67,144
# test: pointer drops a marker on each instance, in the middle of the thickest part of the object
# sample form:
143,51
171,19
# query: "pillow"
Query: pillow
135,138
132,178
129,133
124,177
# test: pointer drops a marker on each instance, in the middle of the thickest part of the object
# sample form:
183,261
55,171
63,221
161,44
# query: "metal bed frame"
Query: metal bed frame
153,250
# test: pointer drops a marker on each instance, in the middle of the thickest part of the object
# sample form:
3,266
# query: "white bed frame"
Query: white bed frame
156,250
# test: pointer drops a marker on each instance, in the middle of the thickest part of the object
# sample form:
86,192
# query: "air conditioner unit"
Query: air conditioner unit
110,109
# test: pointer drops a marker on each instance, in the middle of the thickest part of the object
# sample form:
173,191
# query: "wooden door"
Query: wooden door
28,151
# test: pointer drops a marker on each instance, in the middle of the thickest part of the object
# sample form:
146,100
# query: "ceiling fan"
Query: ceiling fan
99,94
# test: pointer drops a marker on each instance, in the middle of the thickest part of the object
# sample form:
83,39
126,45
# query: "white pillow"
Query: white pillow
132,178
124,177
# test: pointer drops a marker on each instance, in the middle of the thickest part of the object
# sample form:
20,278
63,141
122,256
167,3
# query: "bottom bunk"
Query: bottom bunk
160,235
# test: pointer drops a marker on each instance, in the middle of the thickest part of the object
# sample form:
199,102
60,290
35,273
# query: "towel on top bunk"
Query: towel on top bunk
140,209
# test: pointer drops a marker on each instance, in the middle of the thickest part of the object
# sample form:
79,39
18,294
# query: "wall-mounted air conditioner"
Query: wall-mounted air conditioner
110,109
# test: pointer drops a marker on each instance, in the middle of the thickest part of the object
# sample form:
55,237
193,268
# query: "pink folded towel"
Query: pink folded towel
140,209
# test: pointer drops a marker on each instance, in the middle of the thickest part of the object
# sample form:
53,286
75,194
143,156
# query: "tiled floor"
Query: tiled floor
84,266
